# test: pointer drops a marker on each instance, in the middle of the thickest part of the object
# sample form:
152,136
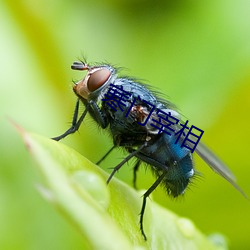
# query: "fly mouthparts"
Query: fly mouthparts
79,66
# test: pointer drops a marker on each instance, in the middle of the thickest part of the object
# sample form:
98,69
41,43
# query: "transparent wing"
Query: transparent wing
217,165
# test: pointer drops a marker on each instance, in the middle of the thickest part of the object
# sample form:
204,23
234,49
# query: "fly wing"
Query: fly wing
217,165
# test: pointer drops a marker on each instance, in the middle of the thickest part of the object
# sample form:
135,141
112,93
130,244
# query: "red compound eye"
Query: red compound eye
97,79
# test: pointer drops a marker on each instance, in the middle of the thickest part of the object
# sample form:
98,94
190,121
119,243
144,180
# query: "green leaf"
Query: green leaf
107,215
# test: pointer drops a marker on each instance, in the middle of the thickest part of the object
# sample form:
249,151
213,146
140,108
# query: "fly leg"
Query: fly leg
105,155
97,114
75,124
135,169
132,154
145,196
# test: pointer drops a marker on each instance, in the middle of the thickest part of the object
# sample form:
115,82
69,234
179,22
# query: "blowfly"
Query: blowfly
148,127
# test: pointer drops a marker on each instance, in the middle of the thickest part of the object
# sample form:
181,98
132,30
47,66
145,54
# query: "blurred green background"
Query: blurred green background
196,52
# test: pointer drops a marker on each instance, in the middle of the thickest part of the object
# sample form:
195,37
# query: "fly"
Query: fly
144,125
